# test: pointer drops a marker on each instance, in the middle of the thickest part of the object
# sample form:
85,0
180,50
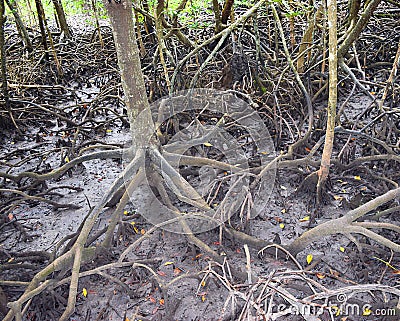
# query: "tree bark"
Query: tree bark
121,17
3,55
61,18
332,100
353,33
96,17
20,25
41,17
226,12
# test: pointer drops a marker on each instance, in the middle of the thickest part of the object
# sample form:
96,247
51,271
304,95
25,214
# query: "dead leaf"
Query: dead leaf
177,271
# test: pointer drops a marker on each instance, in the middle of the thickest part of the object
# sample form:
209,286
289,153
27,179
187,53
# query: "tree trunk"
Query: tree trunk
3,54
332,100
148,25
226,12
121,17
61,17
352,34
94,8
40,13
20,25
217,16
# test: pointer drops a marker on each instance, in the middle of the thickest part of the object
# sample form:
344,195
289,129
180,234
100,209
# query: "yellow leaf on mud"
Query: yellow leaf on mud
203,298
305,218
341,249
207,144
357,178
283,211
320,276
168,263
84,292
109,130
135,228
126,212
282,226
203,283
66,159
387,263
309,258
337,198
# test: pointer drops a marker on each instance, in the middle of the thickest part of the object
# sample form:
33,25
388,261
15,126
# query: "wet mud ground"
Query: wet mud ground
127,293
171,255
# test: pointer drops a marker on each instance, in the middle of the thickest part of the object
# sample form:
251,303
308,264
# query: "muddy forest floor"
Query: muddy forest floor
60,117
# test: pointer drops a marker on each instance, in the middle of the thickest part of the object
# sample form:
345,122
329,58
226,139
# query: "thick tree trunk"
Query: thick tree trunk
61,17
121,17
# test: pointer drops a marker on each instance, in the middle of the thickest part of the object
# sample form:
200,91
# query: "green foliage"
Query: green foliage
292,14
71,8
193,14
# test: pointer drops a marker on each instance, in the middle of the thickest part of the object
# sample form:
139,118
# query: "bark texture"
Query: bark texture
122,22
